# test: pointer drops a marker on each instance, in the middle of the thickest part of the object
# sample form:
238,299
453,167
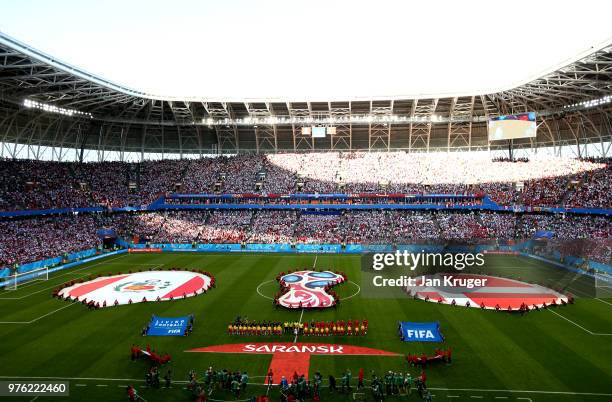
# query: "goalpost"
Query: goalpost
603,286
18,279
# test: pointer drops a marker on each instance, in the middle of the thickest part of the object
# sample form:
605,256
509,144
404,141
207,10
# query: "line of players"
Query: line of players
255,328
312,328
340,327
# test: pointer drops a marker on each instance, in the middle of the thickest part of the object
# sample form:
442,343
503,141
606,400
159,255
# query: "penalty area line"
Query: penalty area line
578,325
38,318
588,295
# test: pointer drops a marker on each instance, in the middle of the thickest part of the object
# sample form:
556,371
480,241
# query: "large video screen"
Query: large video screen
512,126
318,132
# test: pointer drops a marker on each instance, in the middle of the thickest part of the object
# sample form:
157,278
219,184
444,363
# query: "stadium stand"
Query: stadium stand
546,182
27,240
30,240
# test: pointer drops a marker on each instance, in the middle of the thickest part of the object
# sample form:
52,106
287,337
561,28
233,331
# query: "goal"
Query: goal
603,286
17,279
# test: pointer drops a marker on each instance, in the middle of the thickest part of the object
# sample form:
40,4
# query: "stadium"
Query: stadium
442,244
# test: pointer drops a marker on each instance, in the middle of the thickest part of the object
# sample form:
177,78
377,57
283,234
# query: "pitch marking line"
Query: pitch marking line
296,335
573,289
578,325
58,276
261,294
140,263
42,290
302,313
36,319
588,295
313,266
272,280
513,391
69,273
520,391
603,301
354,294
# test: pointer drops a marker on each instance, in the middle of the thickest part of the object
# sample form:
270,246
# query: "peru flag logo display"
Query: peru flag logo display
307,289
138,287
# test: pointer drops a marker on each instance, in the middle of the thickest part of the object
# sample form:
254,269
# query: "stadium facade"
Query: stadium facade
51,108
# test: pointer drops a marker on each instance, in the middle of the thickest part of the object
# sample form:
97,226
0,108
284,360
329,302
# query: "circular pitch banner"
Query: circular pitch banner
166,285
307,289
496,291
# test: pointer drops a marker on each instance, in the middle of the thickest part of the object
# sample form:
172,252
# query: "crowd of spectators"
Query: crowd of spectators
107,183
538,182
368,227
372,226
460,226
601,250
595,190
413,226
184,226
498,225
563,226
157,178
27,184
242,173
403,170
269,226
544,192
201,176
315,229
28,240
226,227
278,180
25,240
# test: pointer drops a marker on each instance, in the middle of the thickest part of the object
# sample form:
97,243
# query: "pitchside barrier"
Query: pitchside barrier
308,248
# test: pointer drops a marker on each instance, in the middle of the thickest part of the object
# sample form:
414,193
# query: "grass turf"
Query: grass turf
495,354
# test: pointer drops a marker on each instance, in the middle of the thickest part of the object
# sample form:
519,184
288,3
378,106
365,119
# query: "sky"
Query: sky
310,50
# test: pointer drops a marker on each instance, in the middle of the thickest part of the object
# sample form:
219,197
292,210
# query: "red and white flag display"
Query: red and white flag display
138,287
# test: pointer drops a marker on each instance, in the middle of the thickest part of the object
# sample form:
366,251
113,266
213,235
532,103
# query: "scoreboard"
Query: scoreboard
513,126
318,131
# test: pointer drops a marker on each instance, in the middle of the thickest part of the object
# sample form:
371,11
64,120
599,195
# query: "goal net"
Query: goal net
16,280
603,286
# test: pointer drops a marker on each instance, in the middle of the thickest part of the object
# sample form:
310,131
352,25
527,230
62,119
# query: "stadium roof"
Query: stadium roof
81,110
312,50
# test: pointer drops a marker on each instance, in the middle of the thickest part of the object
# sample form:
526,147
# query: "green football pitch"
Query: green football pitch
562,354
